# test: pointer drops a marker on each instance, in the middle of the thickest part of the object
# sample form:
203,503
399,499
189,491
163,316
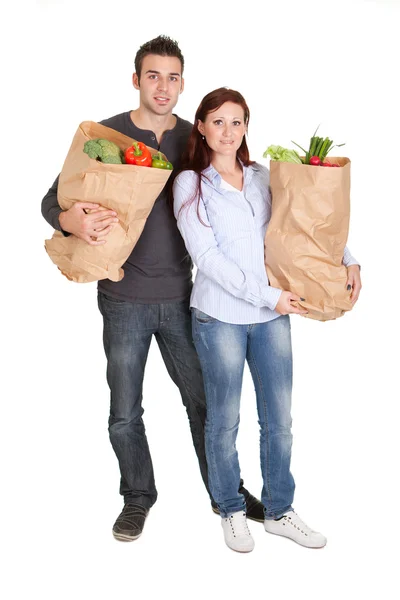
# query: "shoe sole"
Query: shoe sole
216,511
295,541
240,551
125,538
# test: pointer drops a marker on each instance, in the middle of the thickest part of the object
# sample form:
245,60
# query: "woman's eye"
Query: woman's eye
217,122
236,123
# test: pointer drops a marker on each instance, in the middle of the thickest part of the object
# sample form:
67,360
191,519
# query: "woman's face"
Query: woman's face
224,129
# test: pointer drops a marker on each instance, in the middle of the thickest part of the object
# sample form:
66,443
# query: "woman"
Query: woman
222,206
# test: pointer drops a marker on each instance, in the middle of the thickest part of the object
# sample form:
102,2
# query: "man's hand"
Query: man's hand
354,282
91,227
285,306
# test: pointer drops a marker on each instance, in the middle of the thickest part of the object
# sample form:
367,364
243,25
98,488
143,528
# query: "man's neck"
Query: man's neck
144,119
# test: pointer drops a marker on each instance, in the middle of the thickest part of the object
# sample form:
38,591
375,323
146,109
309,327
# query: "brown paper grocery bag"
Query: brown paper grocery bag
128,189
307,233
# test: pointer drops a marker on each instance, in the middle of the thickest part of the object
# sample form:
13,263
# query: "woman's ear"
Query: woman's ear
200,126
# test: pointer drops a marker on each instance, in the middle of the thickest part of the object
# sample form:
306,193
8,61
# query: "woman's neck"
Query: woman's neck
228,165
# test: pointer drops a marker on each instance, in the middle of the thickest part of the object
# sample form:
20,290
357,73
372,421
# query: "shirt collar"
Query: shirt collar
212,174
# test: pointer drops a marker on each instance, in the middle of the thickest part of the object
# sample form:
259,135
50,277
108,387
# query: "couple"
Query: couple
236,314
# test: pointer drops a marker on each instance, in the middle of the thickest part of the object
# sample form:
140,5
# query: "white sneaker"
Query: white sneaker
236,532
291,526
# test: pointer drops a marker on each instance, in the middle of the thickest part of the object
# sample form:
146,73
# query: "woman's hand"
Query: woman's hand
354,282
285,306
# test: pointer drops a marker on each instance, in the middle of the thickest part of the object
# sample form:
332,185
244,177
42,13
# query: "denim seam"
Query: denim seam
266,425
174,363
210,420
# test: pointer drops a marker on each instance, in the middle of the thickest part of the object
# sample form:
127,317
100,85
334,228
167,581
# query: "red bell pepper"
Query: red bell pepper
138,154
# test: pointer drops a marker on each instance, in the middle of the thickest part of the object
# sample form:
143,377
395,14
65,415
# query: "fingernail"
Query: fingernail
303,299
348,287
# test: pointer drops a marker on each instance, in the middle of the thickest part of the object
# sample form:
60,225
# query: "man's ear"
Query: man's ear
200,126
182,85
135,81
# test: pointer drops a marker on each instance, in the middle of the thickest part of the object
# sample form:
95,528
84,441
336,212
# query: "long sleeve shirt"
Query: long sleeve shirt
227,244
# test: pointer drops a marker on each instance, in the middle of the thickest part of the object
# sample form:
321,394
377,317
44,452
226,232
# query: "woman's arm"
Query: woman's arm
353,275
348,259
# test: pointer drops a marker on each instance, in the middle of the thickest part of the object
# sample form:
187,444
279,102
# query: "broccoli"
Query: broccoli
105,151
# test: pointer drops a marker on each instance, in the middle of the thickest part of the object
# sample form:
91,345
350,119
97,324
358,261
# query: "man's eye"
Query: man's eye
173,78
152,76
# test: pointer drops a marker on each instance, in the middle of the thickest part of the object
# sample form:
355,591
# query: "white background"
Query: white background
298,64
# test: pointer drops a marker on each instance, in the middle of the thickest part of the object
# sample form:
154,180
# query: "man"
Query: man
152,298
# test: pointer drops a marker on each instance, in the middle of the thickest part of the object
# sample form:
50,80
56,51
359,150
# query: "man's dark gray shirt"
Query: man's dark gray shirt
159,268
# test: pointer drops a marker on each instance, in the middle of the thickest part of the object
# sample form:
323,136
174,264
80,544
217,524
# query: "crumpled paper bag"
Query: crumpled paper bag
307,233
128,189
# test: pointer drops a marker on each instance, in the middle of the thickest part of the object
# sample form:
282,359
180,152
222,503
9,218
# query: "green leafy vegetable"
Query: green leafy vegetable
282,154
319,147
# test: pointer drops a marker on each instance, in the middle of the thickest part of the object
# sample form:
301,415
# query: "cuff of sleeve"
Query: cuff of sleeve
56,223
272,296
351,262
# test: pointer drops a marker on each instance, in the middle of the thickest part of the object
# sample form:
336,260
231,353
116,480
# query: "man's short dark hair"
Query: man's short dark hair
162,46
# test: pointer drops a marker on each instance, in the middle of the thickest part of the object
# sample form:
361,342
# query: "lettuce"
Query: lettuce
282,154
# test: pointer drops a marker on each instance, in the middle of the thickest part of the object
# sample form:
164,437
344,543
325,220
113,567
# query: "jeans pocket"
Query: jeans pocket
202,317
111,299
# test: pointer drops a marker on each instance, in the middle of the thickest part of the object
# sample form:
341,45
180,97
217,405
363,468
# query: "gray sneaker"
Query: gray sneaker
130,523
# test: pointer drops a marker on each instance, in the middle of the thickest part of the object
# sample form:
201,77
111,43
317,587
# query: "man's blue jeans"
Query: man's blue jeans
223,349
128,331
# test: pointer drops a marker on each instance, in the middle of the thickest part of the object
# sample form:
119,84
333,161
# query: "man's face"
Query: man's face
160,83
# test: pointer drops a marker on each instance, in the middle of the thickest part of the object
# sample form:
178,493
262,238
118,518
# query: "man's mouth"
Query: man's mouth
161,99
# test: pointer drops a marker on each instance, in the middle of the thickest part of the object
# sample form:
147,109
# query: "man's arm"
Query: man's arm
91,227
51,209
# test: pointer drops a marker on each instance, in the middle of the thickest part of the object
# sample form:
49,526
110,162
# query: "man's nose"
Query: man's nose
162,84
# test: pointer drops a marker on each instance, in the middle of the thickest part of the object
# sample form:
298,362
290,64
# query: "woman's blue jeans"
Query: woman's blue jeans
223,349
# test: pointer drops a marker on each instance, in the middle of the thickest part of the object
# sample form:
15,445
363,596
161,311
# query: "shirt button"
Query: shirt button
153,137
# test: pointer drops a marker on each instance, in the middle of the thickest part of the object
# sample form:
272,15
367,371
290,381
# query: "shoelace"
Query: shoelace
239,525
296,522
